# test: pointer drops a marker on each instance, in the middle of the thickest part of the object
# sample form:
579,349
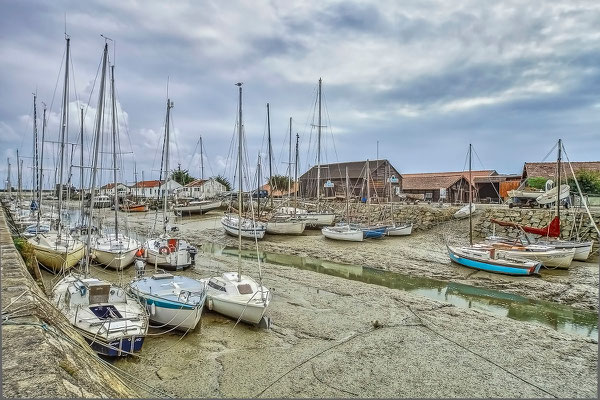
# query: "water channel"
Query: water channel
560,317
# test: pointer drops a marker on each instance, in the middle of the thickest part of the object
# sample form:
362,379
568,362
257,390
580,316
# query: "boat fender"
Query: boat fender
153,309
139,253
164,250
210,304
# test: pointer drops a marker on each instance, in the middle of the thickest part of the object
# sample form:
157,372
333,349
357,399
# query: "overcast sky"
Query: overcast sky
423,78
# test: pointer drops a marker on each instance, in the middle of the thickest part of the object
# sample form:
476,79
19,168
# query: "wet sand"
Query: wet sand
332,337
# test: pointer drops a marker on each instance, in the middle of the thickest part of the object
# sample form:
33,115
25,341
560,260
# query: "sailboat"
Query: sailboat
346,231
582,249
279,223
485,259
202,205
396,229
316,218
115,250
233,294
166,251
111,321
236,225
56,249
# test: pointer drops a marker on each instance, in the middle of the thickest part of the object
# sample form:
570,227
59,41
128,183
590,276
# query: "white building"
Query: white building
151,189
109,190
201,189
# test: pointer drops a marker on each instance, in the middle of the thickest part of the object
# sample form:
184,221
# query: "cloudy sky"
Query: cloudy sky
421,78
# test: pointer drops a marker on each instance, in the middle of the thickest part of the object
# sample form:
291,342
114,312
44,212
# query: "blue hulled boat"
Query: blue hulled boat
490,262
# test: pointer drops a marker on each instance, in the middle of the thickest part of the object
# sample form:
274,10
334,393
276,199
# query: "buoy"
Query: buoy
152,309
139,253
210,304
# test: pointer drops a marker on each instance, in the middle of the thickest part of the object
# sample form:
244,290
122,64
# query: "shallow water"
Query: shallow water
557,316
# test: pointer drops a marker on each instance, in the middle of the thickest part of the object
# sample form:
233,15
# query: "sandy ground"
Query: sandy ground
333,337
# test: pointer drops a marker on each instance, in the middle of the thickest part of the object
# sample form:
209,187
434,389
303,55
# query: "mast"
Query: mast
81,167
136,181
258,168
41,174
270,153
240,145
166,191
347,198
65,119
35,147
290,163
97,136
470,197
114,145
391,196
296,185
319,152
8,178
19,162
368,184
558,160
201,160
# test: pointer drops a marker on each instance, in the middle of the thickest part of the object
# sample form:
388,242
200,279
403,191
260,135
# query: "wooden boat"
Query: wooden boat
238,297
173,301
399,230
134,207
197,207
345,232
113,323
548,256
248,228
285,225
490,261
582,249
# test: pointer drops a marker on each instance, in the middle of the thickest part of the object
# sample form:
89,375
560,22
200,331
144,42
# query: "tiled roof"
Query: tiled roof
548,169
356,169
437,180
197,183
147,184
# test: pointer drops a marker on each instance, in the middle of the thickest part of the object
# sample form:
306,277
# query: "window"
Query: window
215,285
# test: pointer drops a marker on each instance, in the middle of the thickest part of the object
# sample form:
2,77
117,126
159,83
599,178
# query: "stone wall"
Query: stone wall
571,222
423,217
42,354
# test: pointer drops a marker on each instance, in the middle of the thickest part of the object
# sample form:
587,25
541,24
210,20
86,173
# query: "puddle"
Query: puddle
560,317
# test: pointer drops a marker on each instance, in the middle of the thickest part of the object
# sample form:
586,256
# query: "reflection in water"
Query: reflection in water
560,317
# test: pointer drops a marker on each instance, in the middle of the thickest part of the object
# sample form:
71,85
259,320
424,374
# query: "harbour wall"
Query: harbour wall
42,354
573,223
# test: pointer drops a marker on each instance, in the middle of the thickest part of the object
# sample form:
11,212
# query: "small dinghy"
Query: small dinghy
464,212
344,232
399,230
490,261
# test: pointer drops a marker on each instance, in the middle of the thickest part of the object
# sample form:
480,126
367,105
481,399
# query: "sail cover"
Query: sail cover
552,230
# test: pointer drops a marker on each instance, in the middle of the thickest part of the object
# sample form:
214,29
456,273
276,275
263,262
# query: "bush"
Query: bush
589,181
26,251
537,182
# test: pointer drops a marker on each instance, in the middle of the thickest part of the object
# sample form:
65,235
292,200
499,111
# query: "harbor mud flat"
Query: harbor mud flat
421,254
335,337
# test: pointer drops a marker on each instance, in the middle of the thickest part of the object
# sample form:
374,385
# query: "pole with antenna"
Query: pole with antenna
240,181
270,153
470,197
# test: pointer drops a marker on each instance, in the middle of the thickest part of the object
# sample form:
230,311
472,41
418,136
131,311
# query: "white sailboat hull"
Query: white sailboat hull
115,254
550,196
285,227
249,229
200,208
552,258
350,235
319,219
57,257
250,313
582,249
399,230
173,258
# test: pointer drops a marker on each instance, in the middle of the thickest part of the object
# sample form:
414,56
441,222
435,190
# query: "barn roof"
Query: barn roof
356,169
437,180
147,184
548,169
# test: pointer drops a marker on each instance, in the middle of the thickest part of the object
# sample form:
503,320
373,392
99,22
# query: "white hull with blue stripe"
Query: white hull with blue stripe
171,301
490,262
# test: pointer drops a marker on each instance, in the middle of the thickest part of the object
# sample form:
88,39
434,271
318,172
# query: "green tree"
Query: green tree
537,182
223,181
279,182
182,176
589,181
